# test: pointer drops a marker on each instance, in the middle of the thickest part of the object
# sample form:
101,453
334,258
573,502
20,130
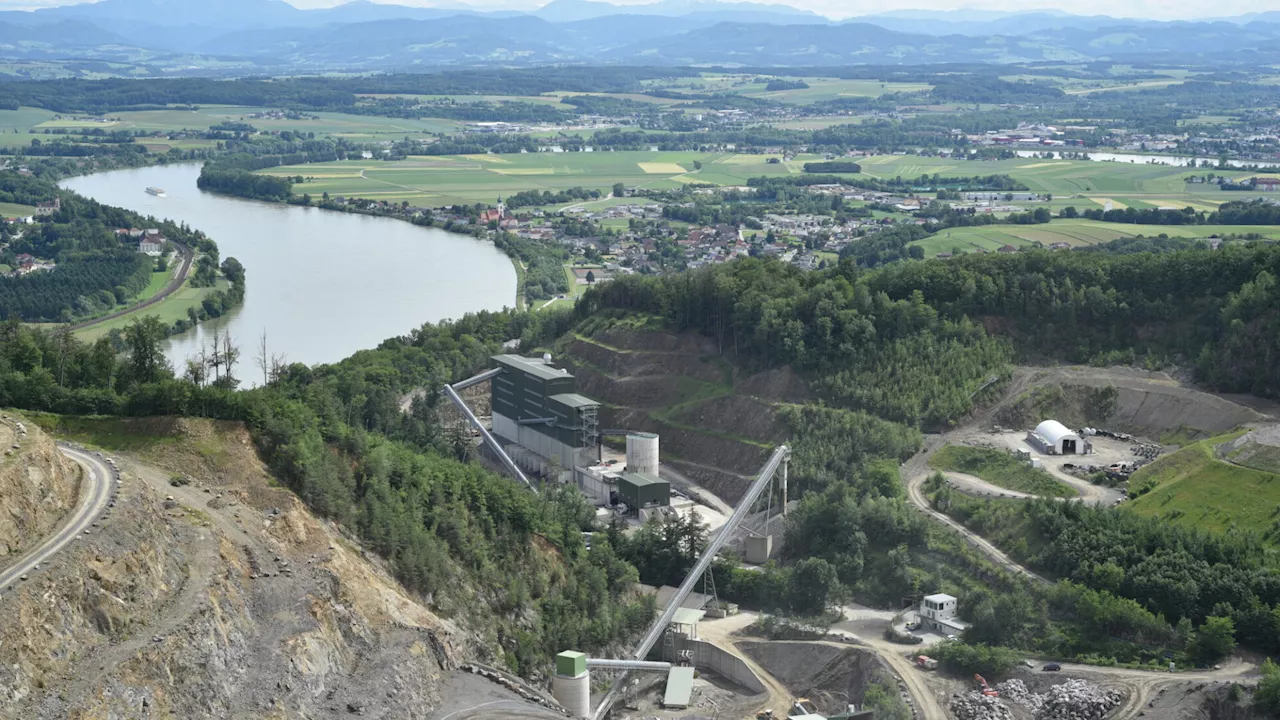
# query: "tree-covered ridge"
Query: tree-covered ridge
892,357
1216,308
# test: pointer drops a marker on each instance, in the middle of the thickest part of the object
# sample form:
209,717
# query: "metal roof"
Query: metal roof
643,479
939,597
1053,431
687,616
573,400
531,366
679,687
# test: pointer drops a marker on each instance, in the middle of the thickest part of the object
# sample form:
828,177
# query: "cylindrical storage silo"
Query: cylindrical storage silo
571,685
642,453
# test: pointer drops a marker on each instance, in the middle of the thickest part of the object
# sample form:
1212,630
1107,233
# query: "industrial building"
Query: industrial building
642,490
1053,438
536,408
938,613
546,427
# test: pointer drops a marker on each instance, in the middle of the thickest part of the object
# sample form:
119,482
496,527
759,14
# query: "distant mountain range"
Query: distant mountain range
274,36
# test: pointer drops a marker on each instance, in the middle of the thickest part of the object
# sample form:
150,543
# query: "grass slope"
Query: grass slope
1076,233
999,468
1192,487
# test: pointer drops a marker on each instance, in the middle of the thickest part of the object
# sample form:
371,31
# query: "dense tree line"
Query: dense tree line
833,166
543,265
243,183
527,198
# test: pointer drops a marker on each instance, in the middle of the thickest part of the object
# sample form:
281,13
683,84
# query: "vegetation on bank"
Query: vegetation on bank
999,468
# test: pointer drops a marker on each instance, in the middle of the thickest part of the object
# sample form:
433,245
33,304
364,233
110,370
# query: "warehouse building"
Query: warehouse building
641,491
551,429
1053,438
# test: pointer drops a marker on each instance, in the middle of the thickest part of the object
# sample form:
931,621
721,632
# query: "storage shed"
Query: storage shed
639,490
1053,438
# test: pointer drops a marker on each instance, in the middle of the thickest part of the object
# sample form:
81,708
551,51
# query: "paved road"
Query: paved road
95,493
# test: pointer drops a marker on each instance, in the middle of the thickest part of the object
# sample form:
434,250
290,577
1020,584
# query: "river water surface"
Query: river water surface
322,284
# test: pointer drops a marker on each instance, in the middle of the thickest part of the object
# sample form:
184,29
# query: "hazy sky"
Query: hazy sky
1153,9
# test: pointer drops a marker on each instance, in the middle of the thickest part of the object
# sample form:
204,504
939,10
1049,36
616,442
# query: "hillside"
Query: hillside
718,422
211,592
38,487
1198,487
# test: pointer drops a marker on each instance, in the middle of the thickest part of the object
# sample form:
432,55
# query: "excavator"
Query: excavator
986,689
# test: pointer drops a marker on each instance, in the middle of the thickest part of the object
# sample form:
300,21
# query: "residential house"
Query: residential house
1060,245
48,208
1266,184
1008,249
152,245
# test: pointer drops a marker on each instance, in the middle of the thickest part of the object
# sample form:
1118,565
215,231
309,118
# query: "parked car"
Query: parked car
1052,667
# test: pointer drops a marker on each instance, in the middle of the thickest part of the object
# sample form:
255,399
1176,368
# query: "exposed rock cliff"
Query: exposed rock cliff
38,486
215,594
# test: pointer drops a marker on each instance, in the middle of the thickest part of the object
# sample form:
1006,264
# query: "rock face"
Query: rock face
220,598
38,486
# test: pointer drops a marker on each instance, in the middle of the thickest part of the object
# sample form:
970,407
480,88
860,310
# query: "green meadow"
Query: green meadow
450,180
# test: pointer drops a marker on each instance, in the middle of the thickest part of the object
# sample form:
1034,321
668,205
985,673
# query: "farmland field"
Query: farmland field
1076,232
449,180
355,127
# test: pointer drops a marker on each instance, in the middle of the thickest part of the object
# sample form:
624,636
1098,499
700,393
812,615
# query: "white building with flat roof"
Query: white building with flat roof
938,612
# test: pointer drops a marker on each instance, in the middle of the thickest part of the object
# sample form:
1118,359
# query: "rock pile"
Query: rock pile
1071,700
1076,700
976,706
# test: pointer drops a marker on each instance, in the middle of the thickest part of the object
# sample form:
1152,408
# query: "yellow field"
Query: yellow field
487,158
1045,164
1115,204
662,168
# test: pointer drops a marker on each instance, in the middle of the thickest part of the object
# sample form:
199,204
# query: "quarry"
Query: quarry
200,549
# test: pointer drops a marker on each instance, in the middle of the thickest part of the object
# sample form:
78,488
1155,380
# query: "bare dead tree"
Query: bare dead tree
264,360
230,355
215,357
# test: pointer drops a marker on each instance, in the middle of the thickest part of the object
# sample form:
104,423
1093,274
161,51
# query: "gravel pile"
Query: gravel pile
1076,700
976,706
1071,700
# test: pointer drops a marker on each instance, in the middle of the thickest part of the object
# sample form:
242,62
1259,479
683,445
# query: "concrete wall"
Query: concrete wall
706,655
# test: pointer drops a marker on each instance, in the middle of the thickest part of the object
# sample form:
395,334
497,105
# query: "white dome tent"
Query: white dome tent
1053,438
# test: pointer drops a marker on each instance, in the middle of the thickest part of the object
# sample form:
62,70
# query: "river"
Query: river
321,284
1143,159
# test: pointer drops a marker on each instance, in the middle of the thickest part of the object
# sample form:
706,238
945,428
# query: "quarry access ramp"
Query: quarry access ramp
99,482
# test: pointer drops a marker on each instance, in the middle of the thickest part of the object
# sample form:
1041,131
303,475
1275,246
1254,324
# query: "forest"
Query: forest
84,283
243,183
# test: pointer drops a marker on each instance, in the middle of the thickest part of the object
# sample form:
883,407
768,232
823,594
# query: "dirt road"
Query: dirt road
95,494
721,634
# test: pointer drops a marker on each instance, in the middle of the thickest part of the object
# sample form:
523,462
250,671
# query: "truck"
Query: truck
924,662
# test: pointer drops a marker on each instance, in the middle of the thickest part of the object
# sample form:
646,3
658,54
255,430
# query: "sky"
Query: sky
841,9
